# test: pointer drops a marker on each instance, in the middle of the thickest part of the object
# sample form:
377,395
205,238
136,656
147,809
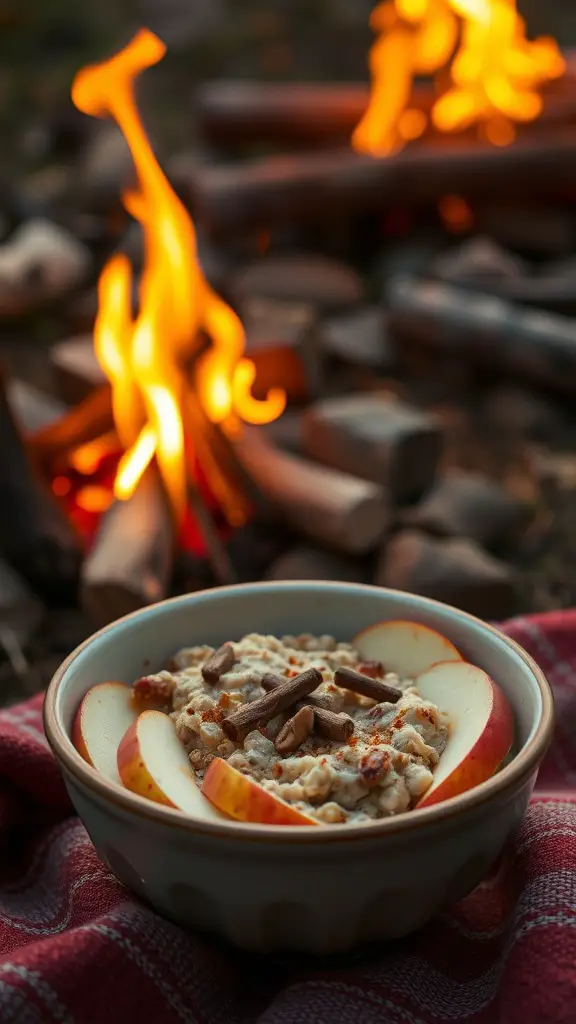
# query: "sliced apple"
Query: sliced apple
244,800
407,648
153,763
481,727
104,715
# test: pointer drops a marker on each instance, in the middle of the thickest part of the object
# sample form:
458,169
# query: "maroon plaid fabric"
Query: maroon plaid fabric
75,948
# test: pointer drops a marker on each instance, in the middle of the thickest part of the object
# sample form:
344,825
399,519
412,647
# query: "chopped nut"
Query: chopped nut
219,663
295,731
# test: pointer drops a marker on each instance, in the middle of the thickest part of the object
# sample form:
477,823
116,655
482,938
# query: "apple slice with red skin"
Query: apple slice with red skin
407,648
245,800
104,715
153,763
481,727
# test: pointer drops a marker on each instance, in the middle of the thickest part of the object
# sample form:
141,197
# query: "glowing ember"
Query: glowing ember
494,75
145,358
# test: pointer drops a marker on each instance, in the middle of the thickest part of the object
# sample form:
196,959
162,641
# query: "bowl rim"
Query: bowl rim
513,774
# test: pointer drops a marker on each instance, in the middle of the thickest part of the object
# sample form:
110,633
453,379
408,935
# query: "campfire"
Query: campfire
486,73
338,359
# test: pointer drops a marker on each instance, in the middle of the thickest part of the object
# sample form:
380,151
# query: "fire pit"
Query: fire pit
347,358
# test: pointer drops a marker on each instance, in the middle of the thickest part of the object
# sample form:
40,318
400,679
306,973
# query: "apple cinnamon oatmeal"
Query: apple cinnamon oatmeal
337,738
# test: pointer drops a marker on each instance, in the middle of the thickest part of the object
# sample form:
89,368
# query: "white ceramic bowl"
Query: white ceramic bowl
288,888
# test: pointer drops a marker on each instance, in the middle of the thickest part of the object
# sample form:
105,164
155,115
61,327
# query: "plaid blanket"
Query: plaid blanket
75,948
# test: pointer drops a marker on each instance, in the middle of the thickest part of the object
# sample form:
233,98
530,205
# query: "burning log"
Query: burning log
35,535
540,346
85,422
130,563
339,183
312,114
343,511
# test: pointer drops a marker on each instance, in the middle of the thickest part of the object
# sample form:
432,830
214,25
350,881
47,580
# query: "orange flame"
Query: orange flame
143,357
495,73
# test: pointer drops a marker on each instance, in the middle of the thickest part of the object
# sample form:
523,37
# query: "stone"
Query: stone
283,341
457,572
39,263
299,277
304,562
378,438
360,338
469,505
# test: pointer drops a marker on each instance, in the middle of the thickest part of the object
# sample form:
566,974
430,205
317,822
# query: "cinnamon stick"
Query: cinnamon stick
295,731
258,712
348,679
333,726
218,663
327,722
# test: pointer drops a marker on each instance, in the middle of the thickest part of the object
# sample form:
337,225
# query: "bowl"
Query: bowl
278,889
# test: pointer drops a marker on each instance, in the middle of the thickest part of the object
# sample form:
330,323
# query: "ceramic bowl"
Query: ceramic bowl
275,889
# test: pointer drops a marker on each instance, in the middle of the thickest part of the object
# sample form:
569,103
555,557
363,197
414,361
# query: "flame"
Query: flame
495,73
144,356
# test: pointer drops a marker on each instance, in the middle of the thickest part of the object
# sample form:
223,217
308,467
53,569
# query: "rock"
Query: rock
283,341
469,505
360,338
308,563
377,438
479,259
458,572
299,277
39,263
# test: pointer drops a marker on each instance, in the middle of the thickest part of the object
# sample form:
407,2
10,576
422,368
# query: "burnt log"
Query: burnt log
377,438
340,183
130,562
36,537
469,505
484,329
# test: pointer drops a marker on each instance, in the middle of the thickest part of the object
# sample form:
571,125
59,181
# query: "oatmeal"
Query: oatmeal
334,736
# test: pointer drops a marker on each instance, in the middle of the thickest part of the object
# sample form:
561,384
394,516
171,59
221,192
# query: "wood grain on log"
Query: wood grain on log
130,562
340,510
